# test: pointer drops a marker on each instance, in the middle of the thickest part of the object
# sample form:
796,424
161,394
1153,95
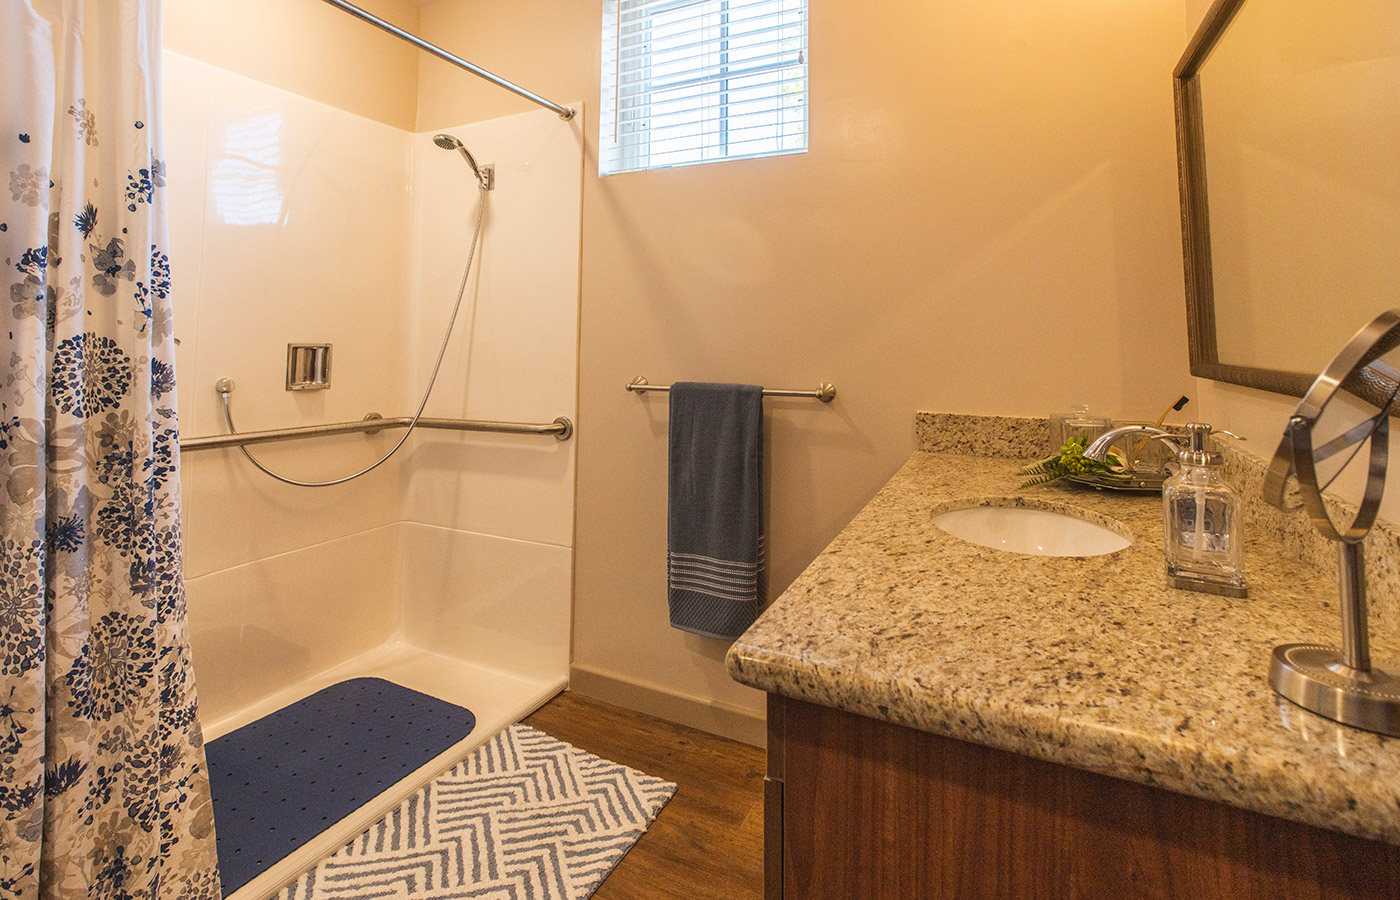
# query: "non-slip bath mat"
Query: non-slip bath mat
524,816
280,781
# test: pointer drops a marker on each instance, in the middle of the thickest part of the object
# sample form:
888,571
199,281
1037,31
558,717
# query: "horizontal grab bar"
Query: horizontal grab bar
825,392
562,428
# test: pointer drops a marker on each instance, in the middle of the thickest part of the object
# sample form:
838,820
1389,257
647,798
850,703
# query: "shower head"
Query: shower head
448,142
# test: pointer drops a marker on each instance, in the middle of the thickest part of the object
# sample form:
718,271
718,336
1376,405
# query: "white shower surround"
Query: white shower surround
449,570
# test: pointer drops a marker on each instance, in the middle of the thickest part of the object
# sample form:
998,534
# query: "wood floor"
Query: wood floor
708,841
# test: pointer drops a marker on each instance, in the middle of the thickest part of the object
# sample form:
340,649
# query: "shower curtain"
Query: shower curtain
103,792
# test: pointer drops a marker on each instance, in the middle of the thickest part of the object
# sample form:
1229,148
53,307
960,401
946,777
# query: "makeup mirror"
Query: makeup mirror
1287,134
1343,423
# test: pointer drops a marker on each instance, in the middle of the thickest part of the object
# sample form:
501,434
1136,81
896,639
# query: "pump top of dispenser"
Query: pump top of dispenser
1196,453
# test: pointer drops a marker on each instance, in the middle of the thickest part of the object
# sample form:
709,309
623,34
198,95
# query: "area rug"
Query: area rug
524,816
280,781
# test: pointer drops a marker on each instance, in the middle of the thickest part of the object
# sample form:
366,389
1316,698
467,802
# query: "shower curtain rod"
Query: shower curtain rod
564,112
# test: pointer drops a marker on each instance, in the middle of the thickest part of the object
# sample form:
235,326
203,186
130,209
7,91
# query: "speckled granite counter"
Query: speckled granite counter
1093,663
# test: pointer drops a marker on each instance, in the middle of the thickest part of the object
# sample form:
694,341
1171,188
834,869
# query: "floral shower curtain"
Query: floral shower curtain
103,792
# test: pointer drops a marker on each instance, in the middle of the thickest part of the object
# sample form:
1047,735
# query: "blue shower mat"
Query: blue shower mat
280,781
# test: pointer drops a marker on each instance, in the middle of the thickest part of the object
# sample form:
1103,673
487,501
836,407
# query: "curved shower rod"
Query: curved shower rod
564,112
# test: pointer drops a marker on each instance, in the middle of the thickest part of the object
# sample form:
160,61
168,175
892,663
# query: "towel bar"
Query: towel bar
825,392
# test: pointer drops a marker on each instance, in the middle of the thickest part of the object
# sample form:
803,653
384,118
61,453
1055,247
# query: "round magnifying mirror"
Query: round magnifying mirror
1338,442
1338,439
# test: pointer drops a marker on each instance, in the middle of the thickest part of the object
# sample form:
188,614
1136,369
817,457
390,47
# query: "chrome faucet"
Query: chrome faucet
1195,443
1098,450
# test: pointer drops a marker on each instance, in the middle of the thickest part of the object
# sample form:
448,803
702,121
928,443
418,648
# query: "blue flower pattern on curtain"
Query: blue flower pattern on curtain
103,791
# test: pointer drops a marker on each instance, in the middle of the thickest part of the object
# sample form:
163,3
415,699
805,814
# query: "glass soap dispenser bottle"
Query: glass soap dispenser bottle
1203,520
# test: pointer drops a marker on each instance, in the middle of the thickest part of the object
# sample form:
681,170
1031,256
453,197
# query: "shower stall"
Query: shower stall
447,570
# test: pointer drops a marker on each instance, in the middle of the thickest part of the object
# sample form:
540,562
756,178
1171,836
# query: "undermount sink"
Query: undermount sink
1021,529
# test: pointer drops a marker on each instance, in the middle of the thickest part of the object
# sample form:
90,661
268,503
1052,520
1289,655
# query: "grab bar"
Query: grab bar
825,392
562,428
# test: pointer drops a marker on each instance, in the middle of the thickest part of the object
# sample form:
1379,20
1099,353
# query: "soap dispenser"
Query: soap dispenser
1203,521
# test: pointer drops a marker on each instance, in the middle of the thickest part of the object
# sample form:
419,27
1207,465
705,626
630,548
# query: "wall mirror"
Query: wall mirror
1288,135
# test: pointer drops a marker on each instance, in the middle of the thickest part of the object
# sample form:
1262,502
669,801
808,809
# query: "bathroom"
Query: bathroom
986,221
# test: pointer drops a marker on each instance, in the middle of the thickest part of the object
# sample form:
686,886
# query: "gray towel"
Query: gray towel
715,581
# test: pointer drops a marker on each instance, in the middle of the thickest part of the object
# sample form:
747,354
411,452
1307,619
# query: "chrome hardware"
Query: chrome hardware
825,392
1341,684
562,428
485,175
308,367
1196,433
1315,677
564,112
1098,450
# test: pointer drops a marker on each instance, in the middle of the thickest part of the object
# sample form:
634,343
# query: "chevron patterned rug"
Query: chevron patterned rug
525,816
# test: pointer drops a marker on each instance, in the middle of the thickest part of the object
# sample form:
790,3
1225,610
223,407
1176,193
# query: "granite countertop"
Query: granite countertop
1090,662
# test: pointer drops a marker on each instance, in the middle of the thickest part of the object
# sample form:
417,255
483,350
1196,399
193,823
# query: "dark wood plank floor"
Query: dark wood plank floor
708,841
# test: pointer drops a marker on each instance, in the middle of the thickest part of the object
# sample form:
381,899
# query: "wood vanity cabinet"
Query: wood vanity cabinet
859,809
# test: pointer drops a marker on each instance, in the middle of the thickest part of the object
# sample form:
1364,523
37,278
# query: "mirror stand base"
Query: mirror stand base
1315,677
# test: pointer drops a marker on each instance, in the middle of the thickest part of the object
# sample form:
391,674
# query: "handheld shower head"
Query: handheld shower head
448,142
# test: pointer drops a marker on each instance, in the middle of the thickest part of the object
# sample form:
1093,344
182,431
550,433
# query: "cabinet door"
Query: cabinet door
873,811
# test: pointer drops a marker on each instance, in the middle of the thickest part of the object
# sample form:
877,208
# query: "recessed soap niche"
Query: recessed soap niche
308,367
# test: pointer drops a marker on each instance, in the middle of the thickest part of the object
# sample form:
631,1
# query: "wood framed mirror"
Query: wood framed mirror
1291,236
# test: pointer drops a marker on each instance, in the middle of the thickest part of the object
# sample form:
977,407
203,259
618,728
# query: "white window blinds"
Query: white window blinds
692,81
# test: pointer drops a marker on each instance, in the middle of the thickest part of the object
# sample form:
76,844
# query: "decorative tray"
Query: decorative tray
1137,483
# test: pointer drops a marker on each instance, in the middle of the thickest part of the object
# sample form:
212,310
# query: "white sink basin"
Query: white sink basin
1024,530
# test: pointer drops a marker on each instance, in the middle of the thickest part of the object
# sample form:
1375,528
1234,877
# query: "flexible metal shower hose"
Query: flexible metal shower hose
432,379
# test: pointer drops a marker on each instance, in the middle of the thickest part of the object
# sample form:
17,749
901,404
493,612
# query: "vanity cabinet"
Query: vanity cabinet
860,809
937,706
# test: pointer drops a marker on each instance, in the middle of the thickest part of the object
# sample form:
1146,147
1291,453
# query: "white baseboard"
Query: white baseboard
713,716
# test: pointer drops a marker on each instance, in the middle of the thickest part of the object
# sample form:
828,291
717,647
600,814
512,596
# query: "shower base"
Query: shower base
496,698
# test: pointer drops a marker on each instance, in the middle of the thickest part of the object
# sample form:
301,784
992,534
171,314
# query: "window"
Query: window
693,81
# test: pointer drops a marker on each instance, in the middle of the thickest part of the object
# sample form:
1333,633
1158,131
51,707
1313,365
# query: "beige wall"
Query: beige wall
986,223
306,47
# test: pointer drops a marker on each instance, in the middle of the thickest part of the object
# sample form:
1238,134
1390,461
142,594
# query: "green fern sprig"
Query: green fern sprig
1045,471
1071,461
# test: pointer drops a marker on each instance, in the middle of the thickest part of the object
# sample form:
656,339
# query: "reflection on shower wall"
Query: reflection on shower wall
294,221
